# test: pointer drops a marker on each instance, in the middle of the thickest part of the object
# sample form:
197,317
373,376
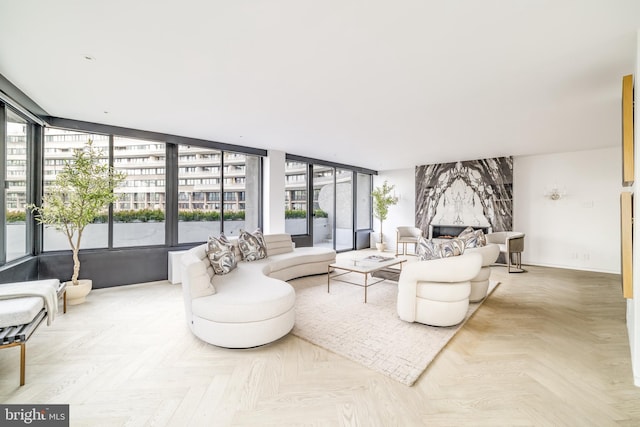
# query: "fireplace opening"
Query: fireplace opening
440,231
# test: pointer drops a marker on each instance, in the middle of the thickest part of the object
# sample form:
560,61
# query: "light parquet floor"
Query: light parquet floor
549,348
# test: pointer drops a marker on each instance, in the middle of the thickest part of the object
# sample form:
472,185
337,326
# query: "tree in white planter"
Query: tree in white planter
382,199
82,191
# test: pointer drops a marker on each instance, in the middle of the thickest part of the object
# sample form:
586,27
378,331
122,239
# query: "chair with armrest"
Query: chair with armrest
511,244
407,234
436,292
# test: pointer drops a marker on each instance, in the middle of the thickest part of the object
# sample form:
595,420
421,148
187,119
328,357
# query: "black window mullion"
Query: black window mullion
171,195
34,185
3,174
222,198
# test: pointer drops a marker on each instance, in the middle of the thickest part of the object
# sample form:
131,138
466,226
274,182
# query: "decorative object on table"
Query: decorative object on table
81,192
378,258
382,200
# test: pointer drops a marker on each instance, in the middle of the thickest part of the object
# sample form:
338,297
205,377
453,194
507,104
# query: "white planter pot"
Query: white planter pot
77,294
381,247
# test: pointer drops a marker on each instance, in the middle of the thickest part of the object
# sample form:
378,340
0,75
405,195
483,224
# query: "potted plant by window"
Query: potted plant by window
382,199
81,191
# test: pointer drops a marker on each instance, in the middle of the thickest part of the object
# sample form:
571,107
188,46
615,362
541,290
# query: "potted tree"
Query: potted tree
81,191
382,199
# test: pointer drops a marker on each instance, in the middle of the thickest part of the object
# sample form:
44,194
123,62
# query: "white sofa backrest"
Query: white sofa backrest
198,276
278,243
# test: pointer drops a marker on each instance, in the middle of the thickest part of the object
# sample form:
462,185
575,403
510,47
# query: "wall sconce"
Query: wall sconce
555,193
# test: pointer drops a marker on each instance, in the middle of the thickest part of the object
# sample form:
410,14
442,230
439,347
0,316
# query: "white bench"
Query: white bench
21,316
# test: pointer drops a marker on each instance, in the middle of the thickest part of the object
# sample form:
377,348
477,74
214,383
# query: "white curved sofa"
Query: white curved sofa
251,305
436,292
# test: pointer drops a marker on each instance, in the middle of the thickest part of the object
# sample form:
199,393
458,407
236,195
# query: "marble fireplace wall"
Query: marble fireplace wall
474,192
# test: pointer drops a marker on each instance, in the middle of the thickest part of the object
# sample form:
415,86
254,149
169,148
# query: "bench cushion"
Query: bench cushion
16,309
19,311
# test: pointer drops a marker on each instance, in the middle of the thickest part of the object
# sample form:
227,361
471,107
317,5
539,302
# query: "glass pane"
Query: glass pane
247,189
295,197
59,146
344,209
323,196
16,186
363,205
139,214
199,196
241,178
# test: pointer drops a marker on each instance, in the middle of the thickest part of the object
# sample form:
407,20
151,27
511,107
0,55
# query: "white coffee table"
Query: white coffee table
365,265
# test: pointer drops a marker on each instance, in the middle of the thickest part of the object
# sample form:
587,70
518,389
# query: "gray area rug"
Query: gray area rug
371,334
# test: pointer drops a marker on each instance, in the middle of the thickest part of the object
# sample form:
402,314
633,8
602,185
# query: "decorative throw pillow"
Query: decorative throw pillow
452,247
482,239
252,245
427,249
473,238
469,237
221,254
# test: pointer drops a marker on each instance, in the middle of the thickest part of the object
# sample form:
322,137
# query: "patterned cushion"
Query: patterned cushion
473,238
252,245
452,247
428,249
221,254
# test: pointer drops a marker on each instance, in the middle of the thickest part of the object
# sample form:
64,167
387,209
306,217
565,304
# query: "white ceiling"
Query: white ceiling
378,84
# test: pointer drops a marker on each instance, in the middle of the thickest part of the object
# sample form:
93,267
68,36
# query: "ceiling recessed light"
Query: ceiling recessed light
88,57
106,112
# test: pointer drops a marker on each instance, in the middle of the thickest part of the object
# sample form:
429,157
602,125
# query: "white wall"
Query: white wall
582,229
401,214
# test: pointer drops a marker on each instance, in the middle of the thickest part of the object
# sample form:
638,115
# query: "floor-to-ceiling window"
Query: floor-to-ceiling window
58,148
15,185
241,196
323,205
218,191
139,213
199,193
326,204
363,215
344,209
295,198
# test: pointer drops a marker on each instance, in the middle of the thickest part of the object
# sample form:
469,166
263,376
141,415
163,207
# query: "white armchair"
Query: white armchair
480,283
407,234
511,244
436,292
